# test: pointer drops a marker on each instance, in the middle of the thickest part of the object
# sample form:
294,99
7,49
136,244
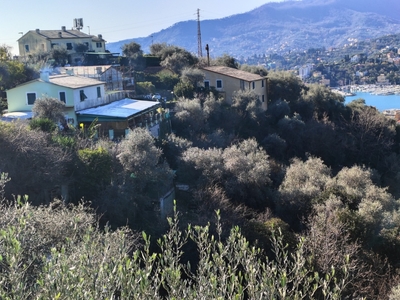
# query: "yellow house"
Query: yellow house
228,80
36,41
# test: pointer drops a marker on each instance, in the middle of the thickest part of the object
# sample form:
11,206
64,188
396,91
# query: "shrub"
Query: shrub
57,252
43,124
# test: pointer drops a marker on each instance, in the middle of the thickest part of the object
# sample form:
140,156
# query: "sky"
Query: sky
120,20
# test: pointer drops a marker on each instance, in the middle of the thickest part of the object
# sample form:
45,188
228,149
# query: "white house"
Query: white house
76,92
86,100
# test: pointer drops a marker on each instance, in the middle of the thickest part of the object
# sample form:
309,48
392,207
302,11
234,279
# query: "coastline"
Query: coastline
374,89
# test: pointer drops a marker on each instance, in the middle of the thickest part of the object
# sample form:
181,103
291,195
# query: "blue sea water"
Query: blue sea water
379,101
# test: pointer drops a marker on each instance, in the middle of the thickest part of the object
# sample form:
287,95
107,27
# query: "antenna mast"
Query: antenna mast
199,48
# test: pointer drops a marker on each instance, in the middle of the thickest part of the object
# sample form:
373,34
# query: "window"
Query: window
262,83
31,97
219,84
207,84
253,84
99,45
242,84
98,92
62,96
82,95
54,45
26,48
69,46
263,98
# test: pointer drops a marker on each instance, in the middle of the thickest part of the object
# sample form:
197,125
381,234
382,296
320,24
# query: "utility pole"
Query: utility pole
199,48
208,55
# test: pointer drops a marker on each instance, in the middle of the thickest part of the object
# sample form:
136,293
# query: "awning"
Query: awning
117,111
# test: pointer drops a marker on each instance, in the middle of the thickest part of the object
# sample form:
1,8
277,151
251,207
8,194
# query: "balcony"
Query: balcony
108,98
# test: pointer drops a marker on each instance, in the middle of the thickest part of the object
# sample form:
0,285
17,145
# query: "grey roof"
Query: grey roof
120,109
69,81
65,34
235,73
54,34
73,82
17,115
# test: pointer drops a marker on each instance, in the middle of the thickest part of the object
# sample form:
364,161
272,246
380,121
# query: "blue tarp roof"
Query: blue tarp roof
117,111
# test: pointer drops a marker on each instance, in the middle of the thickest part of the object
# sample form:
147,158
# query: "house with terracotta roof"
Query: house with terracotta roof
228,80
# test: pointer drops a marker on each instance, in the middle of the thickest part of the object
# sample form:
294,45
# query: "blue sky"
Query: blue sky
116,21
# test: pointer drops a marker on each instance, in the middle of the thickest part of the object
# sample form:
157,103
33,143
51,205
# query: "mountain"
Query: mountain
283,27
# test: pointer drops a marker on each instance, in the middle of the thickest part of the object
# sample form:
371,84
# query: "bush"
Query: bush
144,88
57,252
43,124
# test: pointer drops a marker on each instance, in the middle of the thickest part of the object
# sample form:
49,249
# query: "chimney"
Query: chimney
100,36
59,34
63,28
37,30
45,76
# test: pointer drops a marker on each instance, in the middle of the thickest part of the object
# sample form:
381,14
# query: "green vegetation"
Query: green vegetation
307,194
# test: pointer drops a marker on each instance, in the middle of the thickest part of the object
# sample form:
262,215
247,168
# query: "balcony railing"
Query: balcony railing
108,98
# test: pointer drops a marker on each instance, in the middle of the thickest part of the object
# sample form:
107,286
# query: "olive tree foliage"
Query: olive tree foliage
324,101
59,56
36,165
330,243
57,252
140,176
49,108
303,182
375,210
226,61
247,113
172,57
190,117
371,136
193,76
134,53
259,70
284,86
81,48
242,169
141,159
12,72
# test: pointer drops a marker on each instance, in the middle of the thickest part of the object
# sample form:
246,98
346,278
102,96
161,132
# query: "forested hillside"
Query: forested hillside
281,27
300,200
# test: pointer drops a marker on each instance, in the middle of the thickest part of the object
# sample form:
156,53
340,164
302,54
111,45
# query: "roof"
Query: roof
85,70
117,110
22,115
65,34
65,80
234,73
73,82
54,34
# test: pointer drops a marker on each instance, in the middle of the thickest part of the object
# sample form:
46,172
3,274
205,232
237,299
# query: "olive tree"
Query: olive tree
37,166
49,108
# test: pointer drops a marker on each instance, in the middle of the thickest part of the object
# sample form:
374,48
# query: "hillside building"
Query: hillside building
229,80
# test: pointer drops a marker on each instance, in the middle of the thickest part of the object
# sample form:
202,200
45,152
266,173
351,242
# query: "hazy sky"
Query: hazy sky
116,21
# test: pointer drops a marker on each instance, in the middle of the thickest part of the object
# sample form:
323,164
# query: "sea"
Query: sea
381,102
